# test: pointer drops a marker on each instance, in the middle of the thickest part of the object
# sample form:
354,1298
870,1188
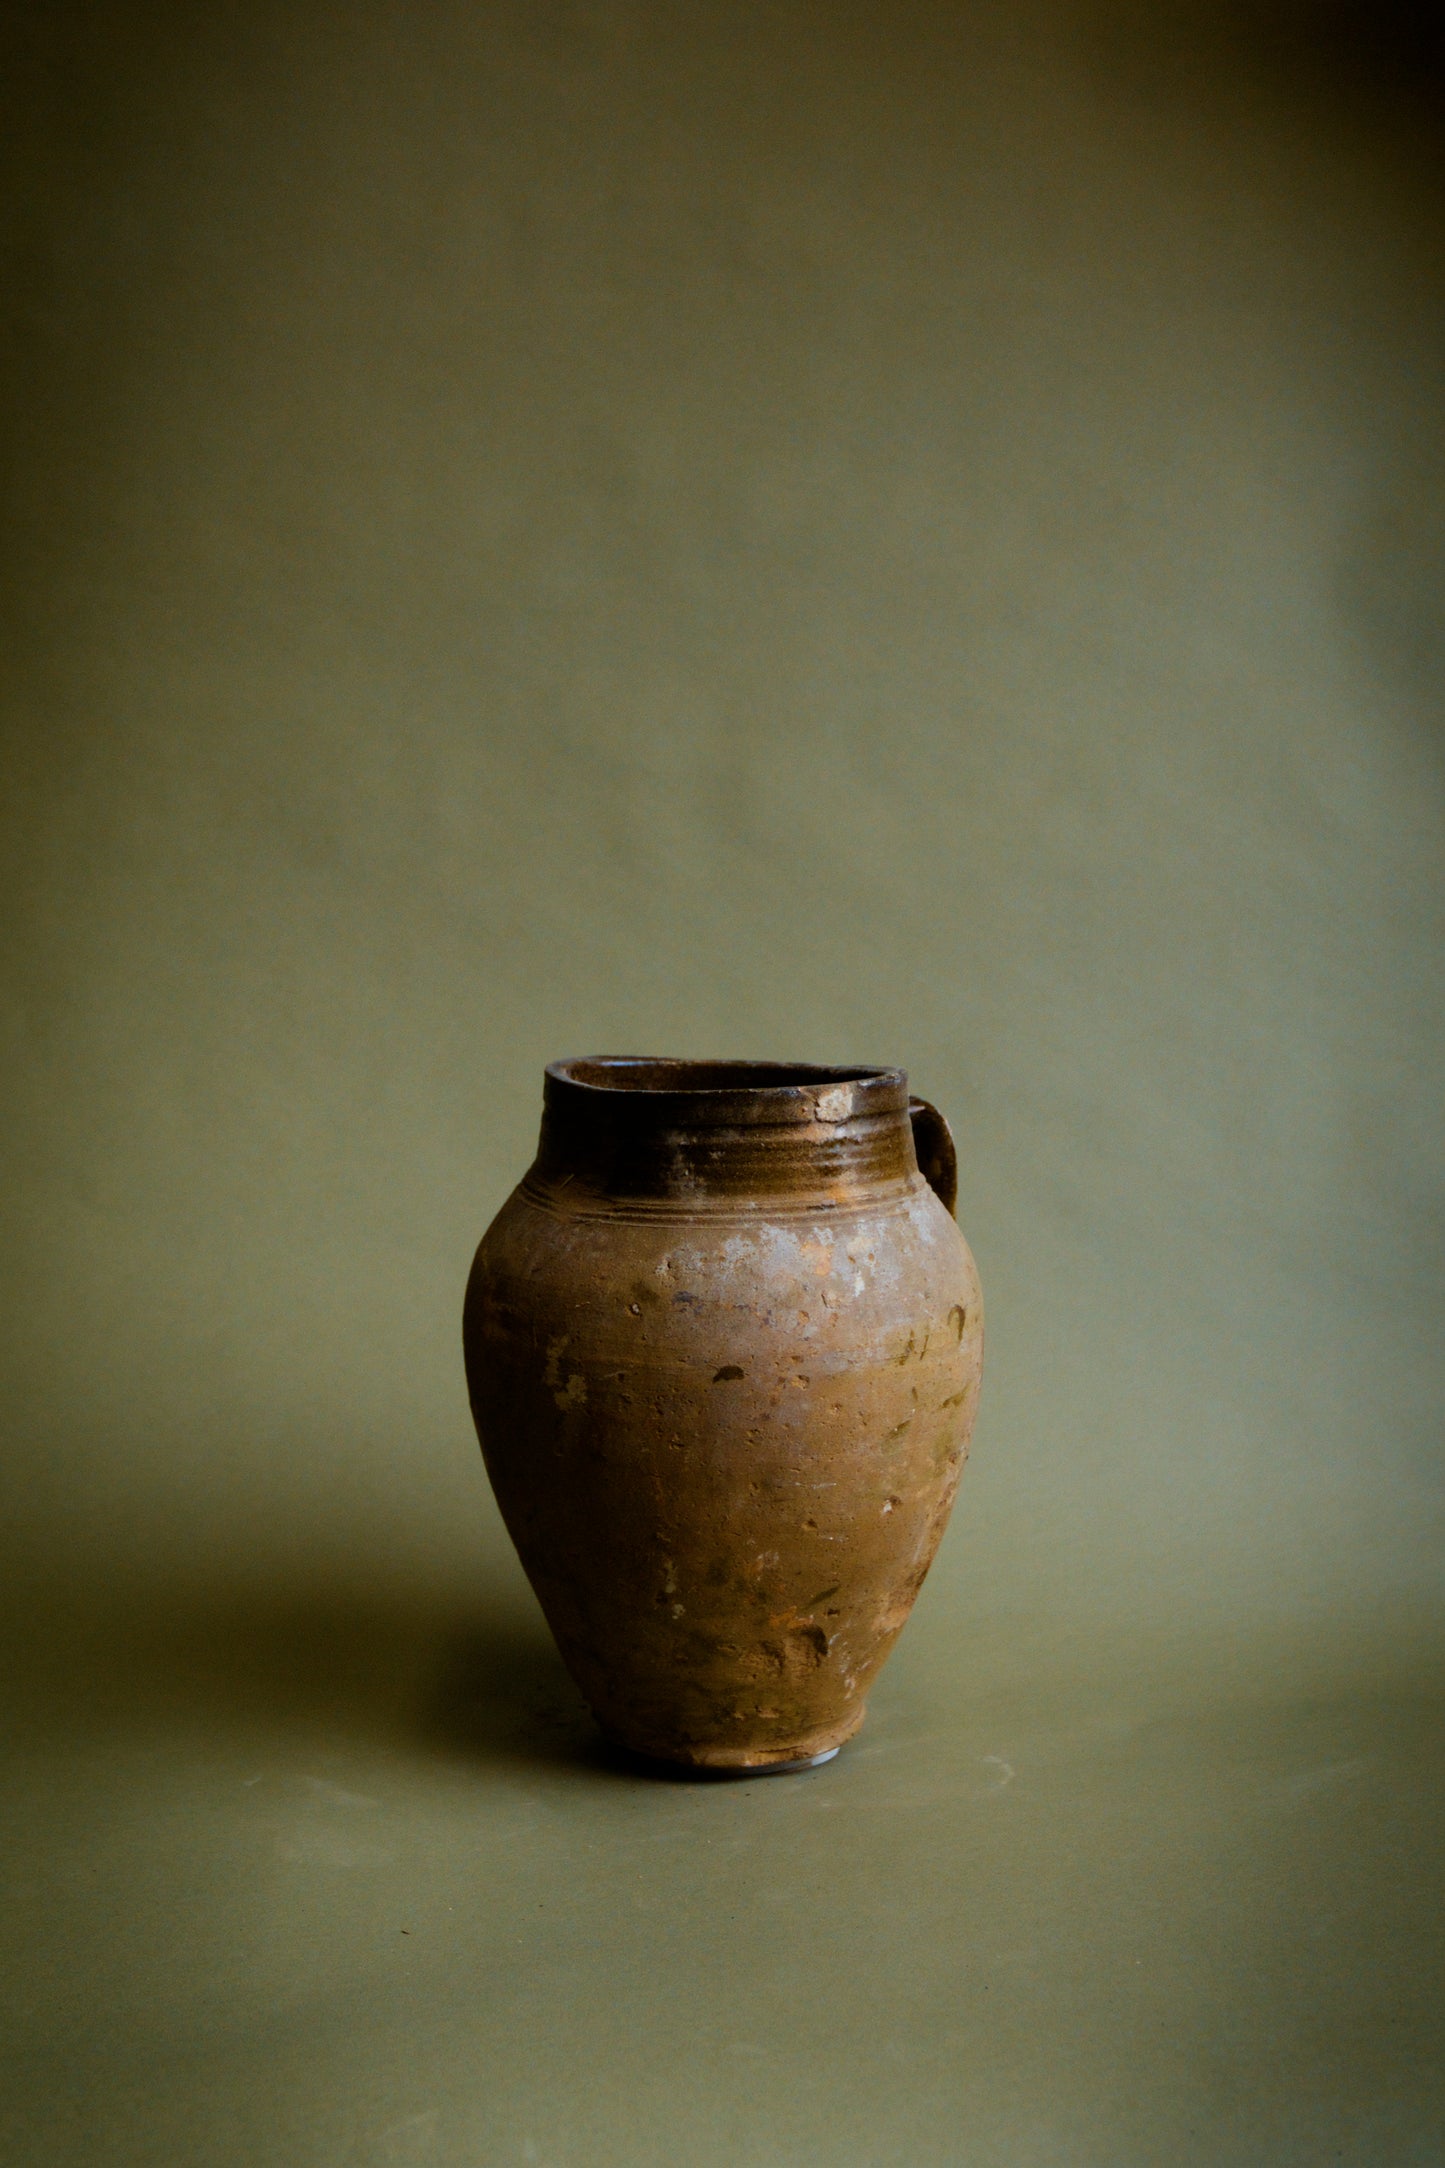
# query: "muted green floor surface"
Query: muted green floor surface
319,1883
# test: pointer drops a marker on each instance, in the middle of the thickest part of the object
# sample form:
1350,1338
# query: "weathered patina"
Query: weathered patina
723,1345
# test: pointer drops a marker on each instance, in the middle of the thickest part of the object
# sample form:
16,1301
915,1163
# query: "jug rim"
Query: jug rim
653,1076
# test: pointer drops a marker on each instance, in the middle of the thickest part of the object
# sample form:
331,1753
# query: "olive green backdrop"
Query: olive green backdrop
841,532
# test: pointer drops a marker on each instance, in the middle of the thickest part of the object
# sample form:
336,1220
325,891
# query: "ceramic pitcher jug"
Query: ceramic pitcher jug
723,1346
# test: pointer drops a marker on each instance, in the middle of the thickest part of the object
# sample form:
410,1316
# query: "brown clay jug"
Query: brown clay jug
723,1345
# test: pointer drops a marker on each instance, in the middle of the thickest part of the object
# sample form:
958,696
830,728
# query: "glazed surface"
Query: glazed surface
725,1435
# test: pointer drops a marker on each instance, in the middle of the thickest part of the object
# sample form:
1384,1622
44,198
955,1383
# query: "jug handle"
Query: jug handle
937,1158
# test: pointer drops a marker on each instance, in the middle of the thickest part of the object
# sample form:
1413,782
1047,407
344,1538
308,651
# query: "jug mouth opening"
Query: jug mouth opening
649,1073
643,1126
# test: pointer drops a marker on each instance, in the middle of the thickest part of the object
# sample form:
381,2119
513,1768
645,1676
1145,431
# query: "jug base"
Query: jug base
655,1765
732,1761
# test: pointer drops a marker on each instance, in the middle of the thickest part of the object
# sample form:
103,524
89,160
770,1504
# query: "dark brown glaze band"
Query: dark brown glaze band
649,1131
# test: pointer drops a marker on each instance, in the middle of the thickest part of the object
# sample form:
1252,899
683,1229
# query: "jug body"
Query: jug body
724,1346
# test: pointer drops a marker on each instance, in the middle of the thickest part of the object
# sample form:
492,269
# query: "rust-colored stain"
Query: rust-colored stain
723,1345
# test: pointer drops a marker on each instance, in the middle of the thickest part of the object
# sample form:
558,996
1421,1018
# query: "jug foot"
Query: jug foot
654,1765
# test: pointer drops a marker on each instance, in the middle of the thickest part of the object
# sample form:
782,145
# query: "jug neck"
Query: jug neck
699,1136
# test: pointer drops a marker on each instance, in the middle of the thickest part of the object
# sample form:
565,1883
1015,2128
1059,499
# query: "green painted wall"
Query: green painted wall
874,532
